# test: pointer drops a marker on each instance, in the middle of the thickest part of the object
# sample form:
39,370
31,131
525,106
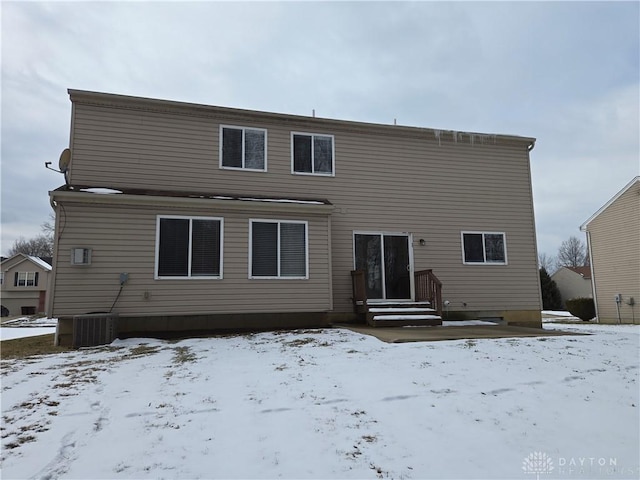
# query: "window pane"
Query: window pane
173,251
323,154
293,258
254,149
369,258
232,147
264,249
397,281
494,247
31,279
473,248
302,153
205,247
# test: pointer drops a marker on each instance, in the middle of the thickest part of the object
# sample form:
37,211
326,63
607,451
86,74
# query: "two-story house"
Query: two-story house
182,216
24,280
613,239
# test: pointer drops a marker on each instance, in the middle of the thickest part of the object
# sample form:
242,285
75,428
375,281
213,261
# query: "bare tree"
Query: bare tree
40,246
49,226
546,261
573,253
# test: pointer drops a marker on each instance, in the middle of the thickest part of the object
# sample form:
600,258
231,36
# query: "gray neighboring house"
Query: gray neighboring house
573,282
180,216
613,239
24,281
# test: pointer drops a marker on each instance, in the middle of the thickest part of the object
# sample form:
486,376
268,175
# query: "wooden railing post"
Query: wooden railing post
429,288
359,291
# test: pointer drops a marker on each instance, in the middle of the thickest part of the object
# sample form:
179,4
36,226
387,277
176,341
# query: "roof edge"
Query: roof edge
142,102
583,227
32,258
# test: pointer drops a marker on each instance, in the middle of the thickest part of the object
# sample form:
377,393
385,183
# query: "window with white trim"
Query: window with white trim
278,249
312,153
484,248
243,148
25,279
189,247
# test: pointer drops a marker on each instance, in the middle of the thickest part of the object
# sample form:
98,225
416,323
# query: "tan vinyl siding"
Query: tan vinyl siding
125,242
387,179
615,256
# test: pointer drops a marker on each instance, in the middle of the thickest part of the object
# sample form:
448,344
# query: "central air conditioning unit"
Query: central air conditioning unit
94,329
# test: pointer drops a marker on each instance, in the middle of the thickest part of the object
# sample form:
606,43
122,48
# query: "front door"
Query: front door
386,262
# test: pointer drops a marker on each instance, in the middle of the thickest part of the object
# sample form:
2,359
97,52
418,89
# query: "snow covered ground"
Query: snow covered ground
27,327
7,333
329,404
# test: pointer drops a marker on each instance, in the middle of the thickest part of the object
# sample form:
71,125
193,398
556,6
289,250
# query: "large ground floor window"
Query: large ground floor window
278,249
189,247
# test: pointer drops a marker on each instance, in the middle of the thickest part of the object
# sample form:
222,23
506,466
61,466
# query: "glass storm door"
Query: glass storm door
386,262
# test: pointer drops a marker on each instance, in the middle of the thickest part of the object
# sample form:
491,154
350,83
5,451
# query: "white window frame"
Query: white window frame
484,249
156,276
279,222
244,129
333,155
27,275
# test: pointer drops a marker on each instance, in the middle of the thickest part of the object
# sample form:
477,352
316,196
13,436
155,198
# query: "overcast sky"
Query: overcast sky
565,73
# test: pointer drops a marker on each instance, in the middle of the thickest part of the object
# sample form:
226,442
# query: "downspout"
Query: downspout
54,262
593,277
530,147
330,260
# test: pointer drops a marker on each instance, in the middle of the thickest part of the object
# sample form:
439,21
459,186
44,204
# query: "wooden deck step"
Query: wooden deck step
400,310
402,314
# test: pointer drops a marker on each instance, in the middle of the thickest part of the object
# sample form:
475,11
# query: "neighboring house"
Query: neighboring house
573,282
181,216
24,280
613,239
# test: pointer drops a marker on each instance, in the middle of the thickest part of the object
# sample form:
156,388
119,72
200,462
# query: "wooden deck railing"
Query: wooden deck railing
429,288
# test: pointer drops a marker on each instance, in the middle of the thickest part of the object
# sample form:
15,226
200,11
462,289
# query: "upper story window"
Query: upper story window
312,154
484,248
278,249
25,279
189,247
243,148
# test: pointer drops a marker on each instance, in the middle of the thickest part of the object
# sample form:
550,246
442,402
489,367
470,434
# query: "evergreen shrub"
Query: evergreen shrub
583,308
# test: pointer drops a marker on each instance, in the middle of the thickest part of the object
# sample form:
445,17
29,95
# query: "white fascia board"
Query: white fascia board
583,227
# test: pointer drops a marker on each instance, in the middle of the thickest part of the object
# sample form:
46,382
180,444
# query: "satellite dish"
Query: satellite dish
65,159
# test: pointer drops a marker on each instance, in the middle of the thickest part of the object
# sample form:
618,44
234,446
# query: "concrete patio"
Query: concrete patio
437,333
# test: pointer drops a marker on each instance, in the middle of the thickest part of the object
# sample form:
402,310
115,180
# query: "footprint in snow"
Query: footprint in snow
329,402
443,391
398,397
499,391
